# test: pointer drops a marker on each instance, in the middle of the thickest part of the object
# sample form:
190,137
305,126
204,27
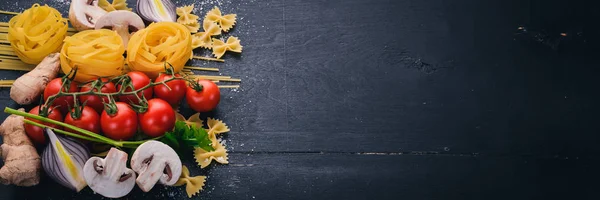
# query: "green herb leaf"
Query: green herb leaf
184,136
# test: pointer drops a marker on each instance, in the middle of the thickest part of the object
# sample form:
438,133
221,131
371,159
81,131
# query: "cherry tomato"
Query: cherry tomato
94,101
158,119
174,95
204,100
63,103
139,80
88,120
36,133
122,125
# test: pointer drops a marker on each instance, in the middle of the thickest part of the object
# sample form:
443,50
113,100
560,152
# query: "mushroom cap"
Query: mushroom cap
151,160
110,176
123,22
83,14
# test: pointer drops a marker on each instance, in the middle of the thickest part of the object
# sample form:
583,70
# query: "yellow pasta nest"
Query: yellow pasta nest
94,53
36,33
149,48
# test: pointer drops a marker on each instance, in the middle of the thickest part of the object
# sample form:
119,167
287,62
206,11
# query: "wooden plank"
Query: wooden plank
348,176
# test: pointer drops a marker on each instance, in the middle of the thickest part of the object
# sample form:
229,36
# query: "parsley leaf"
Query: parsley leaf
184,136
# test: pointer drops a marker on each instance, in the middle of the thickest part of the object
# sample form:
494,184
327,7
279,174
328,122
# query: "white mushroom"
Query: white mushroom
83,14
123,22
155,162
110,176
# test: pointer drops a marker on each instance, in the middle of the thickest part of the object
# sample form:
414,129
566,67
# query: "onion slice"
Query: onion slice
63,160
157,10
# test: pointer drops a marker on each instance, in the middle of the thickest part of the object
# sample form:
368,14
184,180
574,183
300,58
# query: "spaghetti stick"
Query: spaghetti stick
9,66
209,59
8,12
202,68
229,86
231,80
9,57
210,77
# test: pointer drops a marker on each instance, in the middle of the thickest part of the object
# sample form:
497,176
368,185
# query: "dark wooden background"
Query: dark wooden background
398,99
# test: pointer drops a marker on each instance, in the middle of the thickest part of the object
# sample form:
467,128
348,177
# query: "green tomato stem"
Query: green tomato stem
80,130
64,132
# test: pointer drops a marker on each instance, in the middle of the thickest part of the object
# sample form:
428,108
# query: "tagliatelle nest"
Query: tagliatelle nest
95,53
36,33
149,48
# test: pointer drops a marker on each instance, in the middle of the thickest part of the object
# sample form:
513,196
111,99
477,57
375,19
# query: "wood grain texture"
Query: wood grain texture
408,99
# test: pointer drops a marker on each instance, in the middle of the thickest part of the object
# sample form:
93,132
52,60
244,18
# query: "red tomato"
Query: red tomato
158,119
139,80
122,125
96,102
174,95
63,103
204,100
89,120
36,133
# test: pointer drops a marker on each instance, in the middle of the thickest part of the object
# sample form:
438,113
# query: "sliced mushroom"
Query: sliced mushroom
110,176
123,22
83,14
155,162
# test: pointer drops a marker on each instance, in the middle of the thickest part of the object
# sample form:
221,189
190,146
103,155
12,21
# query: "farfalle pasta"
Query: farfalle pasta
193,120
204,158
216,126
219,47
160,42
36,33
193,185
188,19
204,39
225,21
115,5
94,53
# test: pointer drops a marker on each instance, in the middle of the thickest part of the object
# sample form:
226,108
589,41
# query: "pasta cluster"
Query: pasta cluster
204,158
188,19
193,185
115,5
37,32
149,48
94,53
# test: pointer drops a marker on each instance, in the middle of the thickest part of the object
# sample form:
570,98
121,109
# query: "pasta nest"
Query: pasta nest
94,53
36,33
149,48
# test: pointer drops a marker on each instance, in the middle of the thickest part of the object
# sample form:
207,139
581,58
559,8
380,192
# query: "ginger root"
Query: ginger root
28,87
22,163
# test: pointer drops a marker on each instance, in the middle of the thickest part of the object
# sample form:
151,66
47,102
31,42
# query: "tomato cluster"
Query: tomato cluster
121,120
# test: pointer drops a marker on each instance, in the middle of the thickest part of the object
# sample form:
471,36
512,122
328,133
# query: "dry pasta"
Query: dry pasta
216,126
149,48
193,185
94,53
203,39
188,19
193,120
37,32
225,21
115,5
220,47
204,158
